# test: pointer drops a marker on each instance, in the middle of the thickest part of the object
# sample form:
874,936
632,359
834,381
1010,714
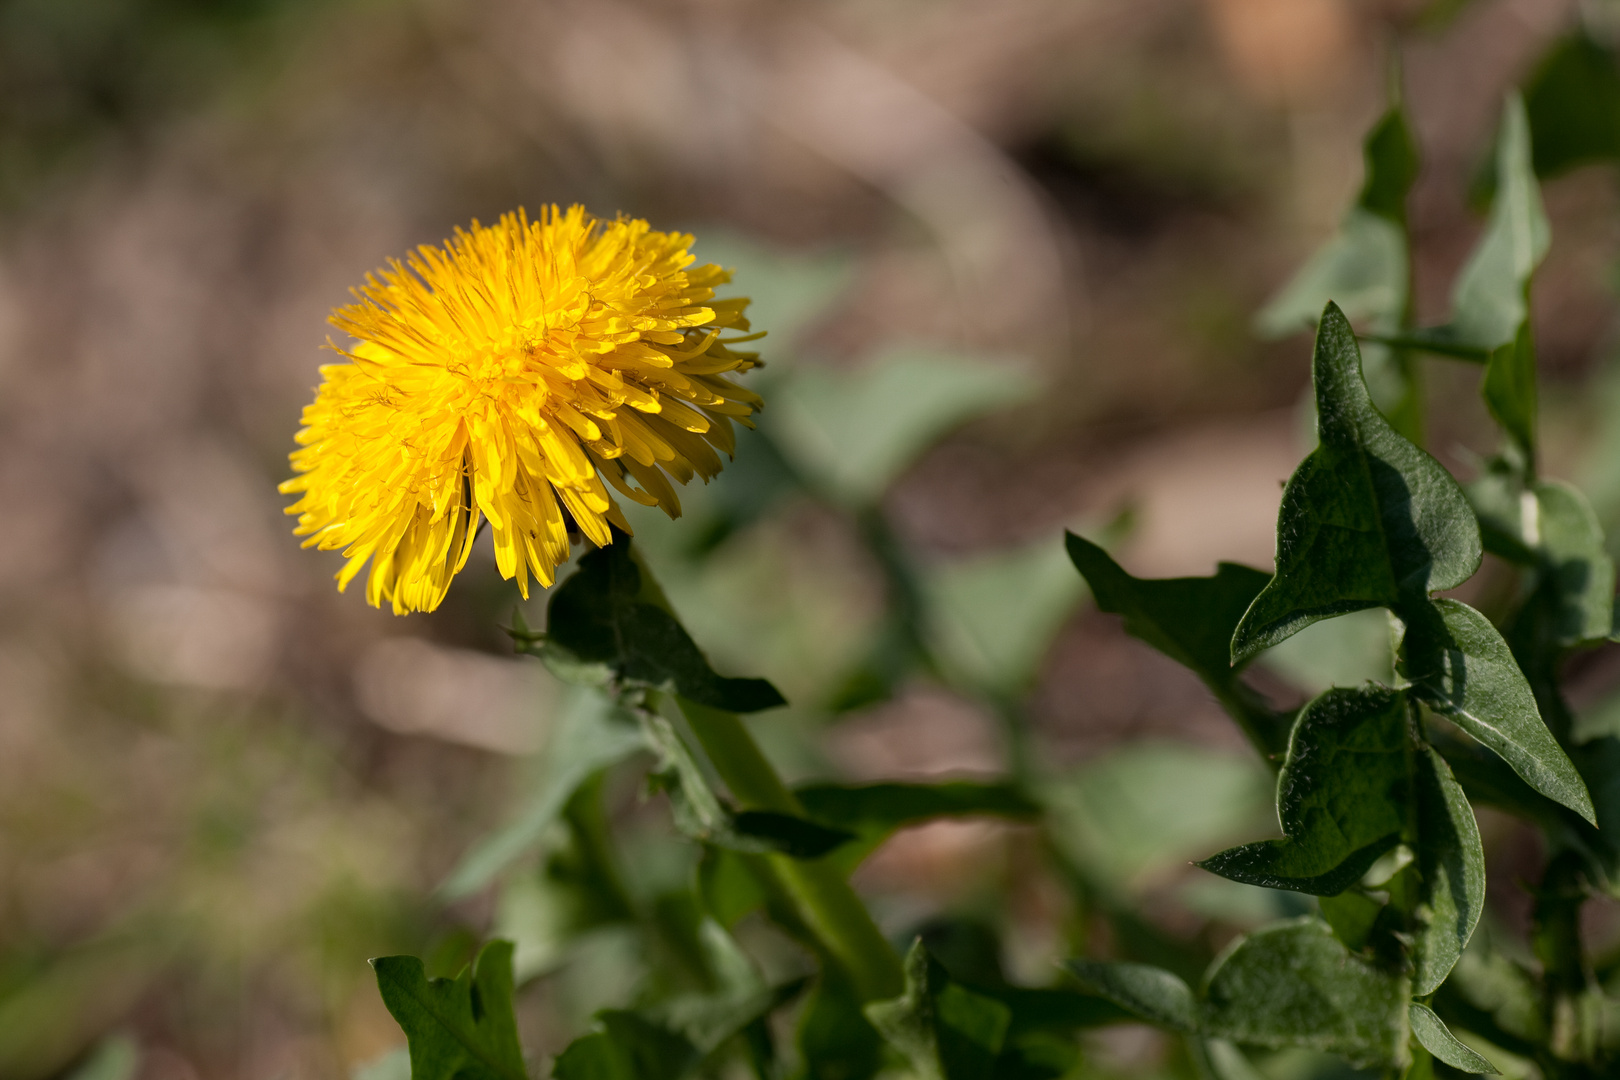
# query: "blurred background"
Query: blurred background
1009,253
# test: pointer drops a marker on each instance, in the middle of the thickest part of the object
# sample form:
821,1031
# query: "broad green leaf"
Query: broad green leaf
1490,301
1438,1040
1341,796
1145,808
1573,104
461,1028
1451,862
1550,526
996,614
1367,519
1363,268
701,813
1509,389
1459,664
1146,992
1190,620
626,1046
1294,984
729,886
872,812
600,625
856,431
944,1030
593,734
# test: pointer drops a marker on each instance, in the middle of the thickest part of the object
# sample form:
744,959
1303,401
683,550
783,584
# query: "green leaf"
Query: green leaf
1144,808
626,1046
944,1030
1573,104
1438,1040
996,614
856,431
461,1028
728,885
1223,1061
593,734
872,812
1363,268
701,813
117,1057
1294,984
1352,916
599,625
1190,620
1367,519
1149,993
1550,526
1490,301
1341,796
1509,389
1347,651
1459,664
1451,862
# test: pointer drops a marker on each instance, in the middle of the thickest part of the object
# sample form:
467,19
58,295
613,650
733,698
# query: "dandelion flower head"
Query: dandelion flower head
506,376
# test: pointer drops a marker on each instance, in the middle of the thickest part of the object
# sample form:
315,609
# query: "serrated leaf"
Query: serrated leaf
1490,300
626,1046
1366,519
1341,796
1294,984
856,431
1190,620
944,1030
457,1029
1431,1032
1573,104
599,620
1451,863
1458,663
593,734
1551,526
872,812
1149,993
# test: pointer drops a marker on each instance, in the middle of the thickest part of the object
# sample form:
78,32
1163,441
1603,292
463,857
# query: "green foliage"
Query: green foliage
1341,796
1437,1039
870,813
1451,869
1573,104
944,1030
457,1028
1366,521
603,626
1147,992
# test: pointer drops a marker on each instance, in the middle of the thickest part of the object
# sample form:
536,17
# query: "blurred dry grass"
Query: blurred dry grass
222,785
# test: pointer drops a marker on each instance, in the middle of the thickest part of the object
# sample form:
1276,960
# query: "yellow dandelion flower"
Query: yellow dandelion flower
504,377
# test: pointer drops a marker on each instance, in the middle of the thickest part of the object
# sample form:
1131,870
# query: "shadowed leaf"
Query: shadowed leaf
944,1030
1146,992
1341,796
461,1028
1366,519
1451,862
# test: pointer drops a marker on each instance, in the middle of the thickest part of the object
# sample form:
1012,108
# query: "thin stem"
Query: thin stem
824,900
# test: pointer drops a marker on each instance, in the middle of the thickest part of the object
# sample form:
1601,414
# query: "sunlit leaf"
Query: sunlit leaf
1438,1040
1459,664
1367,519
1294,984
461,1028
1451,863
1341,796
944,1030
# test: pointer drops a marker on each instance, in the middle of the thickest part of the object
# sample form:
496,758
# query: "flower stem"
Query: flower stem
824,900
